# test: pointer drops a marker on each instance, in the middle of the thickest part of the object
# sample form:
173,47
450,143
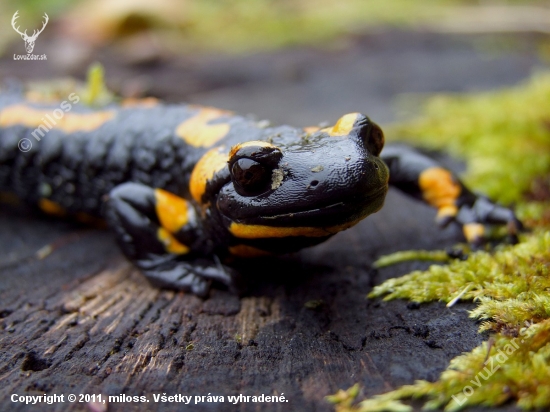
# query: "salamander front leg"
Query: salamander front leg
422,177
160,233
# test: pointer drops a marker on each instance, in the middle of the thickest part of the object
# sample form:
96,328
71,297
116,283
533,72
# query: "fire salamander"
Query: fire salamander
185,187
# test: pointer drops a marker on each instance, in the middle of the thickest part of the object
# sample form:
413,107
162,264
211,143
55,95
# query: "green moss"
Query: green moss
344,401
406,255
503,369
512,272
504,138
95,92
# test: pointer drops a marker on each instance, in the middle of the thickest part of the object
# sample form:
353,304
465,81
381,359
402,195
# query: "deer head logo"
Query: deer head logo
29,40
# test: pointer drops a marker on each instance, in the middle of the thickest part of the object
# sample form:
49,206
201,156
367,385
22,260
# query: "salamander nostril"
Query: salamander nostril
314,183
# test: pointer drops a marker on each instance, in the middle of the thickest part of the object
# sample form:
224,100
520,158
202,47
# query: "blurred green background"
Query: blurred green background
244,25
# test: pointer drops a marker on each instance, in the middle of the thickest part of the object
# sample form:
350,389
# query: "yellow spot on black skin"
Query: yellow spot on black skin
44,96
70,122
145,102
51,208
246,251
171,244
252,143
244,231
311,129
172,211
473,232
197,131
440,190
90,220
343,126
211,162
55,209
9,198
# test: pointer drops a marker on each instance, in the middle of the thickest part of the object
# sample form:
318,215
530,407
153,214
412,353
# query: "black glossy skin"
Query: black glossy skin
116,170
326,178
139,145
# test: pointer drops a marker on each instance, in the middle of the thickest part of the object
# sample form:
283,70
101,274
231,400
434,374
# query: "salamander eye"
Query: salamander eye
374,139
250,177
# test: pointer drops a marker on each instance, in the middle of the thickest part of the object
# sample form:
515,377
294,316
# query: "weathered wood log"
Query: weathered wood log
84,321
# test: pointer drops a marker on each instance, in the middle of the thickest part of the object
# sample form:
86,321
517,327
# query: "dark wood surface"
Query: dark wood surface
83,320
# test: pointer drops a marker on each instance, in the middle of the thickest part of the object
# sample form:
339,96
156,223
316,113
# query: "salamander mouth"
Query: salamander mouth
301,213
335,213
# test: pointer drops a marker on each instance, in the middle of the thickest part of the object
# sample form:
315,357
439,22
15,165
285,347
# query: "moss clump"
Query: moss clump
406,255
503,369
95,92
344,401
504,138
512,283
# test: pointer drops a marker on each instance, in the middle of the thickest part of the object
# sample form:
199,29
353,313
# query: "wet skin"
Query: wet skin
187,188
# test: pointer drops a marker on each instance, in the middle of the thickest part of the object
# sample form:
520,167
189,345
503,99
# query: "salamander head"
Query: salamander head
282,197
